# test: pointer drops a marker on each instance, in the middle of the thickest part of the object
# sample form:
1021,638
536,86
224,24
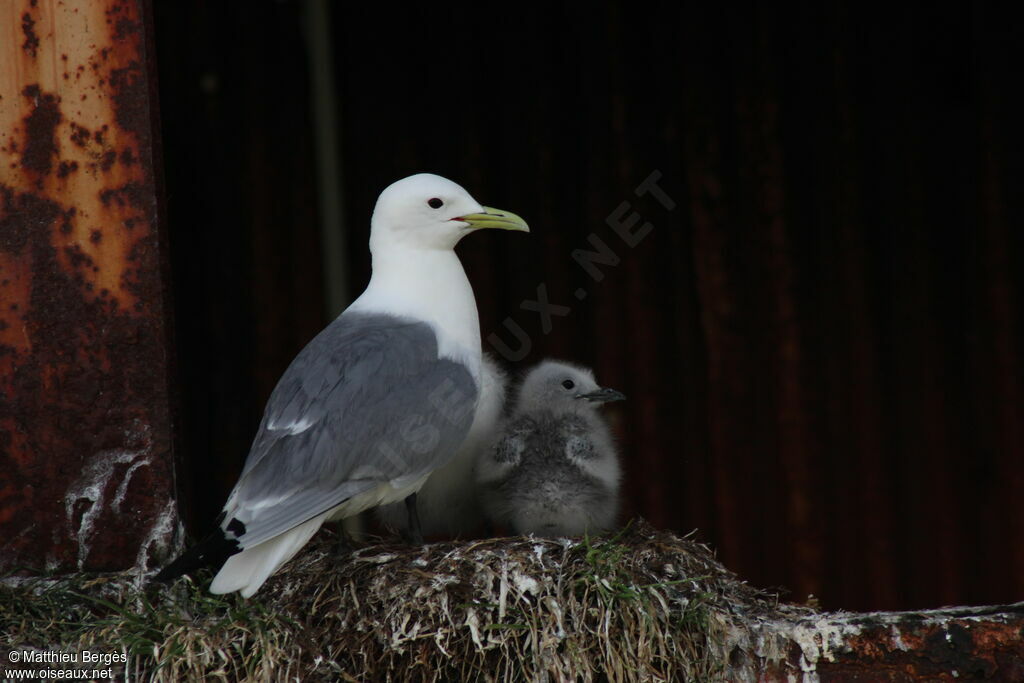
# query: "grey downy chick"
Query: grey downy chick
554,471
448,503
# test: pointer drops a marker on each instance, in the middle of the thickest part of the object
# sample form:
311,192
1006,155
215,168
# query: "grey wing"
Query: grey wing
510,447
507,451
367,402
576,442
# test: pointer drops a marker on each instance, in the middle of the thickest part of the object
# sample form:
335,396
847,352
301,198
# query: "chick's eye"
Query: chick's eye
568,384
435,203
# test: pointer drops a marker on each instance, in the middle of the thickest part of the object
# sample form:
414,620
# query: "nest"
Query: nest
643,605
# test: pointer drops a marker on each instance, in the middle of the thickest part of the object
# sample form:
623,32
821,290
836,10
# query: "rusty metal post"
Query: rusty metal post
948,644
86,470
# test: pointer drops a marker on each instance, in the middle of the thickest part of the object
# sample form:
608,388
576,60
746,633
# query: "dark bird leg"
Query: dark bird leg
414,535
343,545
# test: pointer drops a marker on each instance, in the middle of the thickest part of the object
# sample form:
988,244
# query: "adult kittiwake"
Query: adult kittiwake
374,403
554,470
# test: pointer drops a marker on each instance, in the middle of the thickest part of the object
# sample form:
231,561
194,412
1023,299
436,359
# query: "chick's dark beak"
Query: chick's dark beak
603,395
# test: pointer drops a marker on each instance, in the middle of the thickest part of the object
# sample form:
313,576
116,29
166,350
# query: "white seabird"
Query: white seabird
382,397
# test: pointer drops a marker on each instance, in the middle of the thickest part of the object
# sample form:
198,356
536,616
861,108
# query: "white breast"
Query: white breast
428,285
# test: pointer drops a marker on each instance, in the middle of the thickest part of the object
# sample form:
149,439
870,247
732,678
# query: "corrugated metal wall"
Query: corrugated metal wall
820,338
242,221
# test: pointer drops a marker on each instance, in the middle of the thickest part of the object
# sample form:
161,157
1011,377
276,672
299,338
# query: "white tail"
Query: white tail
247,570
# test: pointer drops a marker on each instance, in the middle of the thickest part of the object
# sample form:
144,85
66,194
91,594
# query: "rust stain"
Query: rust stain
31,44
66,168
974,644
106,136
40,128
15,275
975,650
82,334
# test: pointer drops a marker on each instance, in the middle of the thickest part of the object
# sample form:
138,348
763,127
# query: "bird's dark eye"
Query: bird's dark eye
435,203
568,384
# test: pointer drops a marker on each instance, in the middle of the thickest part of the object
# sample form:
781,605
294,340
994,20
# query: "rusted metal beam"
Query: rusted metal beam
86,471
955,643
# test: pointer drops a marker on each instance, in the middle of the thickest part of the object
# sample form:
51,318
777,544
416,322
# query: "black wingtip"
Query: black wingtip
215,549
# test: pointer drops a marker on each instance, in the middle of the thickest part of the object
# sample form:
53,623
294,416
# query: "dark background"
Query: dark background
821,342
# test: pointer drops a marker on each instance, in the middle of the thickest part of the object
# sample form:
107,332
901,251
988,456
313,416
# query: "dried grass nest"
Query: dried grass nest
640,605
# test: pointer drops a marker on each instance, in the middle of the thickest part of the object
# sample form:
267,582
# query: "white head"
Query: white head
561,387
426,211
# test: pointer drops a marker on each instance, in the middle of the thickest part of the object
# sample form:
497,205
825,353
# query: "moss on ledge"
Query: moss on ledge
640,605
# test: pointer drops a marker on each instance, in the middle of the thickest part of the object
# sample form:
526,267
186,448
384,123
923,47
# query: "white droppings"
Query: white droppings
807,667
377,559
90,487
439,642
821,638
821,635
473,622
165,535
525,584
503,591
538,552
556,611
897,639
122,488
15,582
440,581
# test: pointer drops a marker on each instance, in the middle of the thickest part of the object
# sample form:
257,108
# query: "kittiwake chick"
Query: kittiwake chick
554,470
